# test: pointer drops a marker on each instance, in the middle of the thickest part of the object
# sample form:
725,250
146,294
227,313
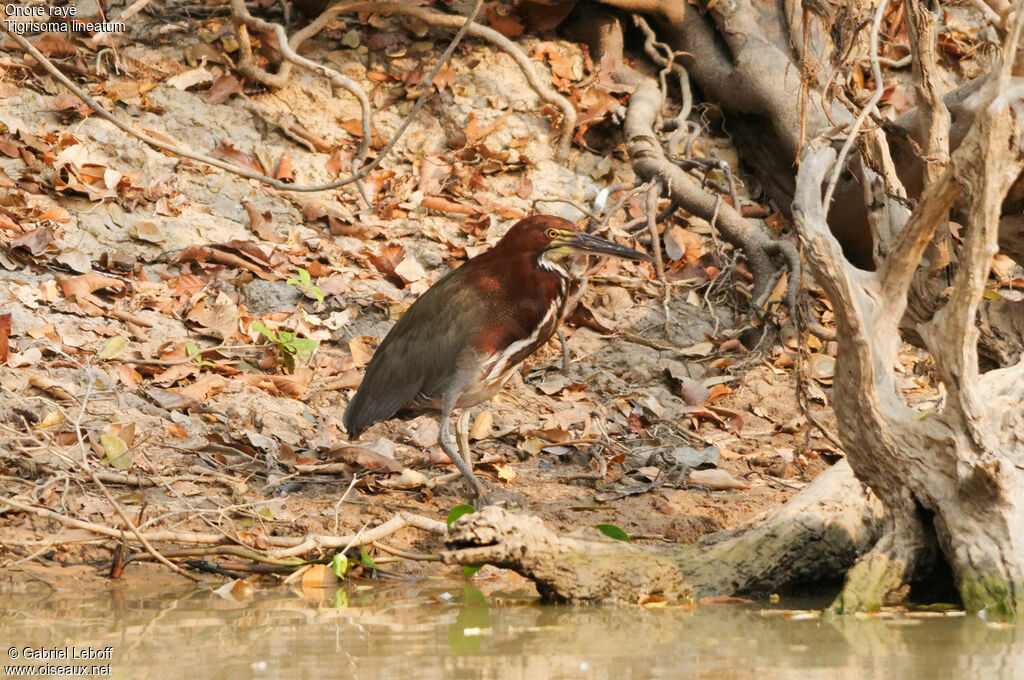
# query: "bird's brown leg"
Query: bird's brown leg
476,489
462,437
566,357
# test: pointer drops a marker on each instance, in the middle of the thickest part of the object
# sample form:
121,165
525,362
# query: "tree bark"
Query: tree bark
951,476
813,538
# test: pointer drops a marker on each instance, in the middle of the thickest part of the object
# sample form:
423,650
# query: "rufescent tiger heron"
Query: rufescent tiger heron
463,338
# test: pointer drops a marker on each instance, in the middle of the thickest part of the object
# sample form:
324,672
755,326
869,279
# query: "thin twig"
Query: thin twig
235,550
293,545
337,78
669,63
249,174
87,469
576,204
190,357
432,18
42,549
405,554
618,205
876,71
659,263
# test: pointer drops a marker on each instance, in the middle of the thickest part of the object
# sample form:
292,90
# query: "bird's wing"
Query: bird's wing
414,364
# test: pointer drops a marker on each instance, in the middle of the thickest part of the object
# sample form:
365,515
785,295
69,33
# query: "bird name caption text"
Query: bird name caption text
64,661
22,19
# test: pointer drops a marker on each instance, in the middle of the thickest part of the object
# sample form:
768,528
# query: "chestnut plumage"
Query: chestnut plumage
462,339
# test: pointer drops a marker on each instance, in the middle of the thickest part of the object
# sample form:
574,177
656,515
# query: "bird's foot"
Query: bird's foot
477,493
480,499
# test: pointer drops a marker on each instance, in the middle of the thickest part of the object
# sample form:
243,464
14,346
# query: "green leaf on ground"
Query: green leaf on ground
612,531
116,451
339,565
458,511
365,558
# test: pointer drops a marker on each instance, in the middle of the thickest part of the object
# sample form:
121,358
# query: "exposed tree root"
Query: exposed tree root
427,16
815,537
563,568
602,31
879,575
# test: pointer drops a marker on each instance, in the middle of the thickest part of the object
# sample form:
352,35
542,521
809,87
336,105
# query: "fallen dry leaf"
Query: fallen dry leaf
228,151
294,386
365,458
262,223
5,334
562,67
475,132
482,426
504,24
173,401
85,285
319,576
503,471
409,479
222,88
444,78
284,168
447,205
410,269
35,242
127,374
196,76
362,348
146,230
45,331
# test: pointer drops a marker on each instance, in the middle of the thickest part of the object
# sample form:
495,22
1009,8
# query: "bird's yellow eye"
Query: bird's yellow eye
552,234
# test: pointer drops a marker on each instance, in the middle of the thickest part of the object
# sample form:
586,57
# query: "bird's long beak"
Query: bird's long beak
582,241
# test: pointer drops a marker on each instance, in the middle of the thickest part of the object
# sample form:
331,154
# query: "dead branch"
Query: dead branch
83,464
603,33
665,57
564,568
432,18
288,545
175,149
248,67
933,121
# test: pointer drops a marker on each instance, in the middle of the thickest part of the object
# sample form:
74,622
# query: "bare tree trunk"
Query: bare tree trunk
954,474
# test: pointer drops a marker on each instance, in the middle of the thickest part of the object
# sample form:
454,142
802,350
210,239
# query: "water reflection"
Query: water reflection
451,630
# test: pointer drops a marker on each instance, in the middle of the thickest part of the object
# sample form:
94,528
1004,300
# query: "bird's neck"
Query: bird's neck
547,262
557,267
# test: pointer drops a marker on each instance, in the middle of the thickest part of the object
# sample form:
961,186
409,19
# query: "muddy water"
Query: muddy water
451,630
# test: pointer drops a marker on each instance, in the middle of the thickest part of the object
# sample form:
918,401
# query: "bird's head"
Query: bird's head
547,235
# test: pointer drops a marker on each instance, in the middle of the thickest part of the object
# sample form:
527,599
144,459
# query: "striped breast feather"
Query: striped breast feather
410,367
499,366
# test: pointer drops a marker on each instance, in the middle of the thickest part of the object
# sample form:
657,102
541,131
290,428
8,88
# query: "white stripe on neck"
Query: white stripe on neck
547,263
